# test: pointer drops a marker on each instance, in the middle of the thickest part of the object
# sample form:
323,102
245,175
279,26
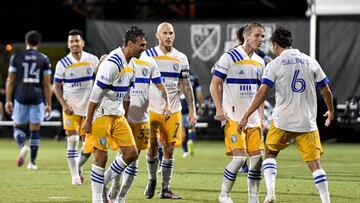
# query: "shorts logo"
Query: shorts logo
205,40
89,71
103,141
145,71
233,138
68,122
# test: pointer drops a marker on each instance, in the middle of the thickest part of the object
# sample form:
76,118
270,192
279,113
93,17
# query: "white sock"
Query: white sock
230,173
254,178
128,178
152,166
97,183
270,170
72,155
167,168
116,168
321,184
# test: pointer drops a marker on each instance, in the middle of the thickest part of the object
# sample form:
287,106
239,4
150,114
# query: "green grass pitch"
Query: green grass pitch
197,178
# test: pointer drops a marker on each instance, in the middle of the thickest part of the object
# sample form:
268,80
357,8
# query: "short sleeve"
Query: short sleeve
320,78
268,77
59,73
221,68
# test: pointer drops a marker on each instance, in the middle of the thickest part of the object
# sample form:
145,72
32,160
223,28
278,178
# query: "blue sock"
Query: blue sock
184,143
19,136
34,144
192,135
160,154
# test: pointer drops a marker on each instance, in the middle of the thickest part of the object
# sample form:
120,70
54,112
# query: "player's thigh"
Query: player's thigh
254,139
309,146
100,130
72,122
20,113
277,139
121,135
172,129
37,113
141,132
156,123
233,140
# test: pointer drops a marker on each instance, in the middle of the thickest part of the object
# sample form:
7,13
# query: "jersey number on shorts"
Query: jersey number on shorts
31,74
298,84
176,129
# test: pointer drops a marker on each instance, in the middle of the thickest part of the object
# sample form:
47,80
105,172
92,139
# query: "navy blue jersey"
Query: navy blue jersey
29,67
195,85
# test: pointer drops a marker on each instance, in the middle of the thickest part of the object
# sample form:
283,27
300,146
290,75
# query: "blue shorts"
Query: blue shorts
33,113
185,121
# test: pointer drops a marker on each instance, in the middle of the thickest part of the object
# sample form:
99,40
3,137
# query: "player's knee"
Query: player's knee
100,158
169,149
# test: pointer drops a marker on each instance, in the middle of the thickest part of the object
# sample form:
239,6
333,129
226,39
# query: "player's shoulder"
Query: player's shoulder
258,59
151,52
144,61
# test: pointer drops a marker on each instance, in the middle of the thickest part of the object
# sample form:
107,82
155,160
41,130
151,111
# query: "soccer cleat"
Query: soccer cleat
225,199
32,166
150,189
270,199
186,154
168,194
22,155
76,181
190,145
105,195
121,200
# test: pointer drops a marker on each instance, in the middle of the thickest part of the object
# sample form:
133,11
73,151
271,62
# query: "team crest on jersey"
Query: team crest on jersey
176,66
68,121
145,71
233,138
89,71
205,40
103,141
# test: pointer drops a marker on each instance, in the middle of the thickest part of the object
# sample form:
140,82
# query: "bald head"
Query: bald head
164,25
165,35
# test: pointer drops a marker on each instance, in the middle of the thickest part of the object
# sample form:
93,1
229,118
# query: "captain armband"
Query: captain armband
184,74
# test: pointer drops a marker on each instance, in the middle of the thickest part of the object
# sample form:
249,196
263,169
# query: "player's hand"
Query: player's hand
68,109
242,125
330,117
47,111
9,107
87,126
192,119
220,114
167,112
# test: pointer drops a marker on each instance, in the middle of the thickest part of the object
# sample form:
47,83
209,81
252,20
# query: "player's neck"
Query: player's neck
249,51
165,49
77,55
126,53
31,47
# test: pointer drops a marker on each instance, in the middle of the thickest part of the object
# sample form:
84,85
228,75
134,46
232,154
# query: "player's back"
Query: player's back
29,67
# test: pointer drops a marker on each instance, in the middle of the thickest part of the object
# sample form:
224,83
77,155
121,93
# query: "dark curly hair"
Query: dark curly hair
282,37
132,33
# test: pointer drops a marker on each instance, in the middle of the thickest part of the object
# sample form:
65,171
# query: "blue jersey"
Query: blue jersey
29,67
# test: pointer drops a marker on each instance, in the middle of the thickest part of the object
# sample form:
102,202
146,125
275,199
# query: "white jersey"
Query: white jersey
242,78
295,75
112,84
146,71
78,79
173,67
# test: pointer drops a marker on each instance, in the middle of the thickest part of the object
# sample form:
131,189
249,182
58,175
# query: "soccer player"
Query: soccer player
294,75
189,134
174,69
75,74
105,122
137,114
29,82
236,78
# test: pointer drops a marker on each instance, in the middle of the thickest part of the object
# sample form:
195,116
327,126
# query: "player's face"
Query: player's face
255,38
166,35
75,43
138,46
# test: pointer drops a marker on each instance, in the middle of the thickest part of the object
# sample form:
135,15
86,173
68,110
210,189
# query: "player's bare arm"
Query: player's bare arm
186,88
216,90
200,99
9,89
255,104
161,87
59,95
47,92
89,116
328,97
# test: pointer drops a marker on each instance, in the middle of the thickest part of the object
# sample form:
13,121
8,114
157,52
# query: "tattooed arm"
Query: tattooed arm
186,88
161,87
